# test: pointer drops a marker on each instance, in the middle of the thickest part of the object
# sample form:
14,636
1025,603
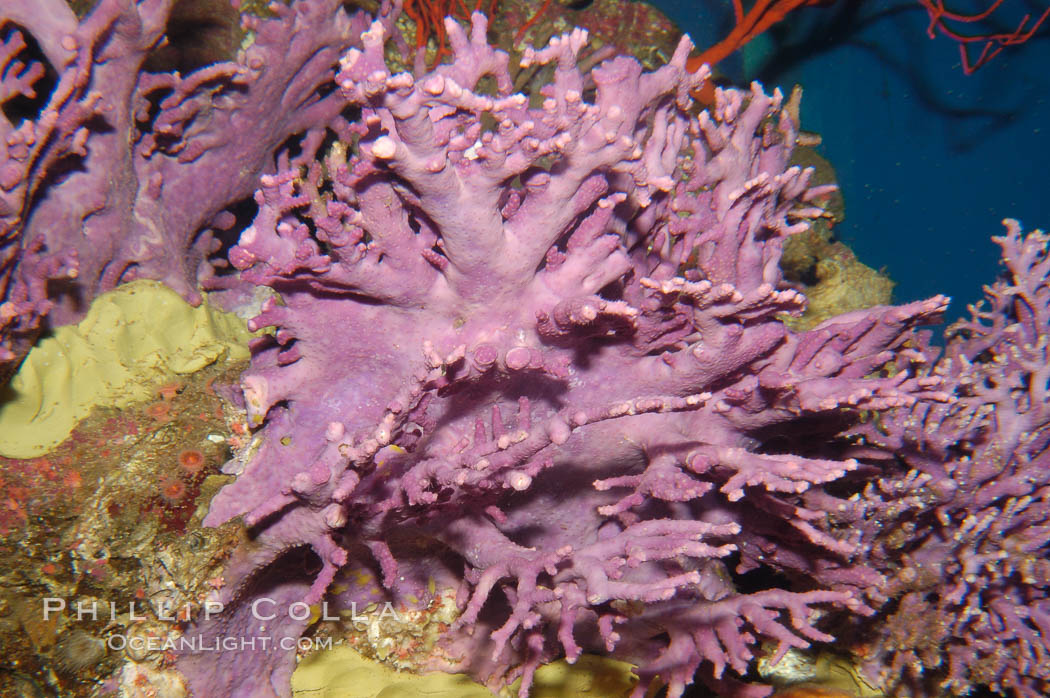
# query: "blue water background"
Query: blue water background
929,160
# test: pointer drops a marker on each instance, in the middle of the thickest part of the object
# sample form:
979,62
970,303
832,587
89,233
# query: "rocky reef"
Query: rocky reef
529,381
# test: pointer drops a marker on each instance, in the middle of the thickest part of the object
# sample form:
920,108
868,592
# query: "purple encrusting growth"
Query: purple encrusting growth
125,173
959,522
534,353
26,150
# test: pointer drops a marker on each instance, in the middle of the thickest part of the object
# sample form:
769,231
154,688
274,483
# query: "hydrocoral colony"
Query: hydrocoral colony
128,174
532,355
565,362
958,523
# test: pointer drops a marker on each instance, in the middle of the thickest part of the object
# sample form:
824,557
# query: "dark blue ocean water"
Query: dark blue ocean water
930,160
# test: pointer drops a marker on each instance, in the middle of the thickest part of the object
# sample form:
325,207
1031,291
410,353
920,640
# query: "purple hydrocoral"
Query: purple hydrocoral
124,173
605,269
959,521
26,151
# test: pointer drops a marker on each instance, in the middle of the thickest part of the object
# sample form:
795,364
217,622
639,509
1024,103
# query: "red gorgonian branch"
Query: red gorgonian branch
763,14
991,44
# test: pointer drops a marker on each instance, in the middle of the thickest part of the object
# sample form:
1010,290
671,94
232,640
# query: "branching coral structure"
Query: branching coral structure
123,173
958,524
532,355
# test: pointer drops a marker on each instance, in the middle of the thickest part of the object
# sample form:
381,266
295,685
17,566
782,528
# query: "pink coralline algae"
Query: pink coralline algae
958,524
533,354
124,173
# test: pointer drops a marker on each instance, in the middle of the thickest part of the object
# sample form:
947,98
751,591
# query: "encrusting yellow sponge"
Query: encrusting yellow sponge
131,338
341,672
